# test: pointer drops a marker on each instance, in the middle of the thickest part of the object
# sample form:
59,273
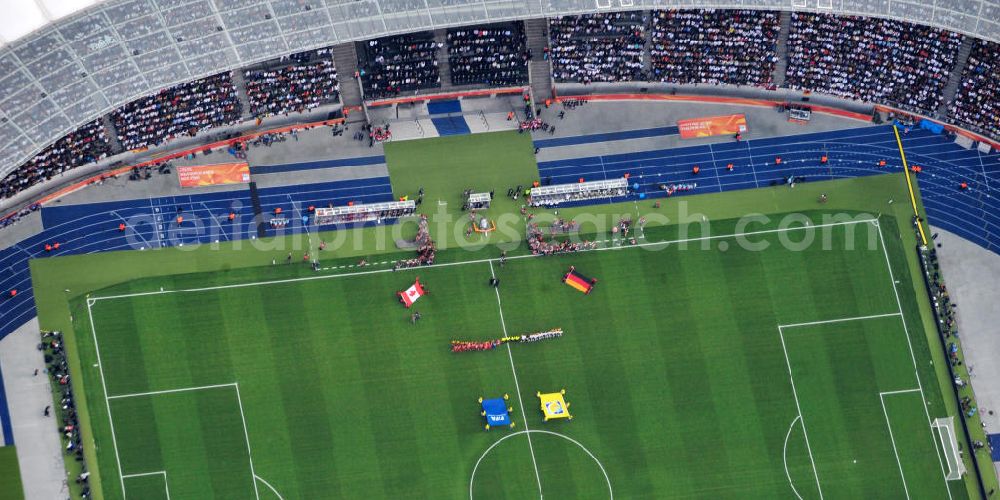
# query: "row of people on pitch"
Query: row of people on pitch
495,55
598,47
293,87
978,101
85,145
397,64
539,246
177,111
57,367
737,47
873,60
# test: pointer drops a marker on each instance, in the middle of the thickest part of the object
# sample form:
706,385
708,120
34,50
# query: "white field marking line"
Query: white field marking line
904,391
892,439
517,386
752,169
166,486
607,479
480,261
840,320
913,357
169,391
715,168
246,435
156,222
269,486
784,456
799,408
154,473
107,402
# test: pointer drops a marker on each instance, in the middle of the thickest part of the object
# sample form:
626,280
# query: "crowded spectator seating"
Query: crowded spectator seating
177,111
977,104
736,47
396,64
598,47
86,145
495,55
297,83
874,60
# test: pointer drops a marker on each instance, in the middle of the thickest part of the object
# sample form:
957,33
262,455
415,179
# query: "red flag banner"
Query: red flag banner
410,295
715,125
213,175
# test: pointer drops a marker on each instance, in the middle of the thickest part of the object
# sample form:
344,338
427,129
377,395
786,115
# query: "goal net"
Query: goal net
945,430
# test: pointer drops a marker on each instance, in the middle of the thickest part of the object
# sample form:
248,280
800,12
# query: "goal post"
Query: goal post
945,430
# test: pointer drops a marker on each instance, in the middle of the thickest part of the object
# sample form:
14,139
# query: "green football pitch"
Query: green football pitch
712,368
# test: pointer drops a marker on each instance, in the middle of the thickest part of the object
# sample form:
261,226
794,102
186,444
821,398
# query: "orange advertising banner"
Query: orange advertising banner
212,175
715,125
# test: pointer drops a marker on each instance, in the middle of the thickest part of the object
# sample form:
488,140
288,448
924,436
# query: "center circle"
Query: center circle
538,432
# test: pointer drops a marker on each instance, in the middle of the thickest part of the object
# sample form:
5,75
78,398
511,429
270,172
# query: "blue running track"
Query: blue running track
852,153
609,136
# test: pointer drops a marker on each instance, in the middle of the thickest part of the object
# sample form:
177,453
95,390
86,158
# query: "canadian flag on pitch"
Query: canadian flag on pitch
412,294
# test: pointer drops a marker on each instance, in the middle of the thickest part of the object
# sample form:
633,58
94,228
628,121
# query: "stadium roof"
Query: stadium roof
66,62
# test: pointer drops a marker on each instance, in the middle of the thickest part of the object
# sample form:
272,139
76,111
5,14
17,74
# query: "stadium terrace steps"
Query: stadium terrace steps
781,51
647,55
955,79
444,67
345,59
112,134
537,33
240,85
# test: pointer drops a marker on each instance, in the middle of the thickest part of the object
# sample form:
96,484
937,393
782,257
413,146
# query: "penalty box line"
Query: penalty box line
111,421
795,394
166,486
875,222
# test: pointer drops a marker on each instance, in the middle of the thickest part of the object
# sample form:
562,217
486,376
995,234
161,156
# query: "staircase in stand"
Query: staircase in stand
537,33
345,58
955,79
781,51
240,84
112,133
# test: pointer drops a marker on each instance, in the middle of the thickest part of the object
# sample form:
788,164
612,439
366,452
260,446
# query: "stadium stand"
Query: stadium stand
85,145
396,64
302,82
875,60
736,47
184,109
977,104
494,55
598,47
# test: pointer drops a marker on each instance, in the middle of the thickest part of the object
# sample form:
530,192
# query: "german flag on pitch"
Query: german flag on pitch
579,281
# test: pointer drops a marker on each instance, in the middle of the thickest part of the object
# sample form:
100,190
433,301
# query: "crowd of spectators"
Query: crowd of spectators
495,55
397,64
87,144
978,100
598,47
182,110
874,60
304,82
736,47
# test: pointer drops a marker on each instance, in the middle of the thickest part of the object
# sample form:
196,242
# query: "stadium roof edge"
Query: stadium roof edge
93,60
